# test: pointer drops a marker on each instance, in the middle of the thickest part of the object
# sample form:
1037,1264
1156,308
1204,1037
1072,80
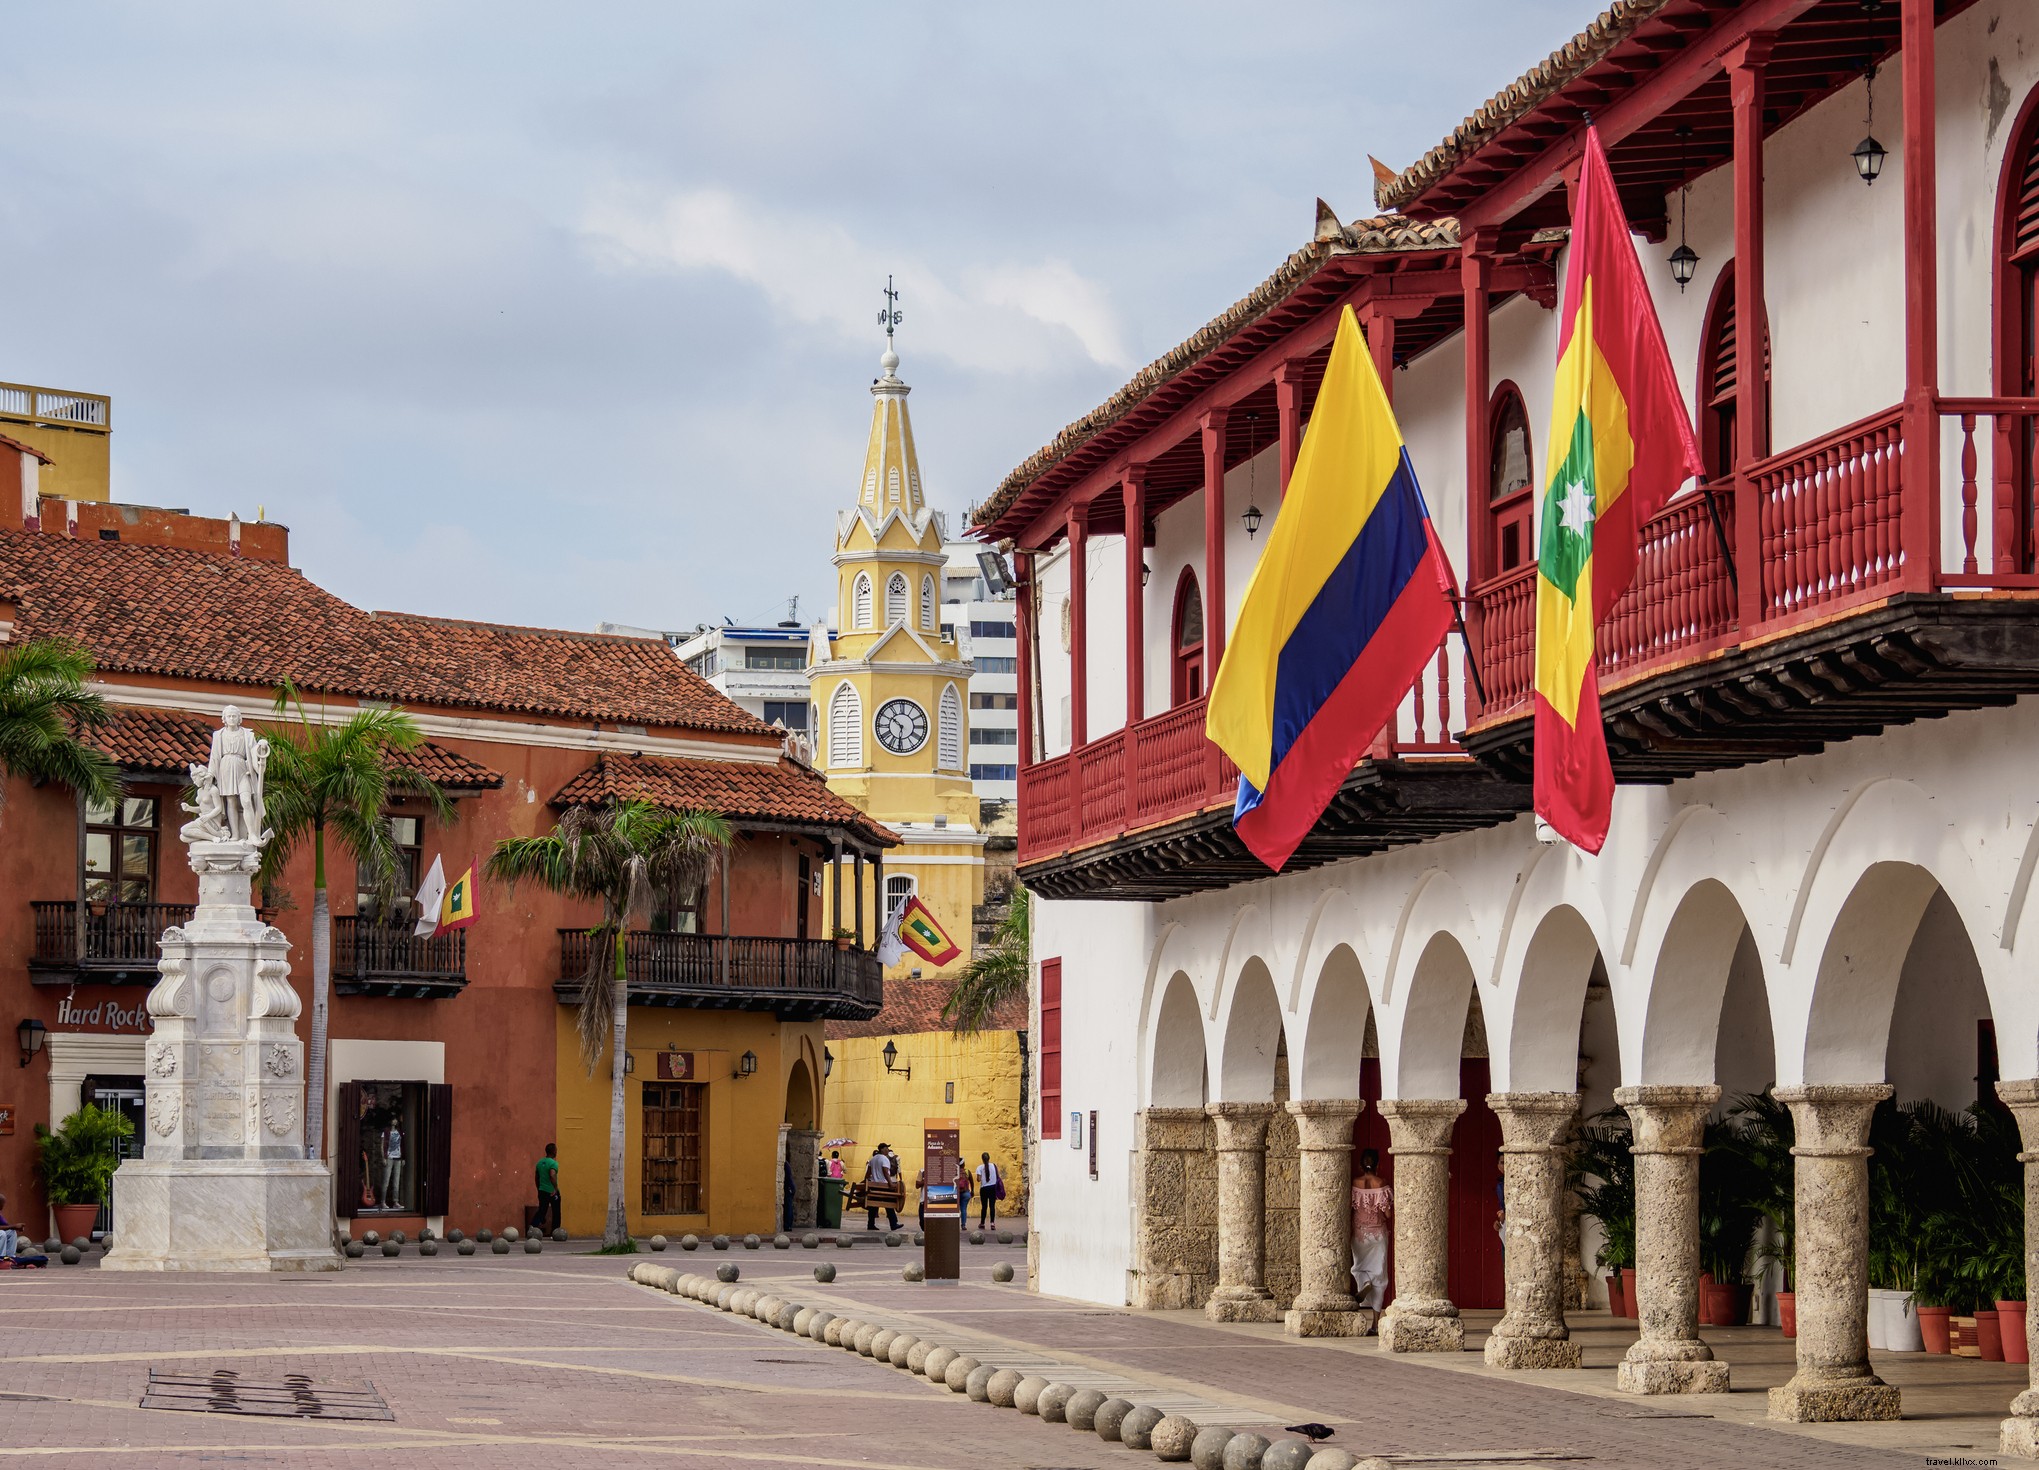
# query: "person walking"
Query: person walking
990,1190
962,1194
548,1192
1373,1215
879,1170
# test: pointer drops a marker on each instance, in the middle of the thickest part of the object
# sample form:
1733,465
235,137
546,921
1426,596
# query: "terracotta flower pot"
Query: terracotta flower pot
1724,1304
1787,1312
1617,1293
2011,1326
1936,1327
75,1220
1706,1300
1989,1335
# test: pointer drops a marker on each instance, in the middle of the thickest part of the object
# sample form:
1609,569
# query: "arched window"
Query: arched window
1510,478
927,603
949,740
860,601
1186,666
1719,380
895,599
845,728
2017,336
899,887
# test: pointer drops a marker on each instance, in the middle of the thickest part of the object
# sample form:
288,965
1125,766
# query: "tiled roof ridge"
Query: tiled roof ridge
1378,235
521,630
1524,95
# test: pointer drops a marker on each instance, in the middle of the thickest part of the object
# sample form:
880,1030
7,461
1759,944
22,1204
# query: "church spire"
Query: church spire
891,467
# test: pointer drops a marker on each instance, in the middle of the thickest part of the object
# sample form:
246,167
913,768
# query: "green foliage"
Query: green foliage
1970,1208
1731,1188
997,974
1603,1178
626,1248
44,705
75,1164
1765,1132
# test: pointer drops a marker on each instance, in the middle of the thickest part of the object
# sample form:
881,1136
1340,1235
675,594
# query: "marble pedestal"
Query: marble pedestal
222,1215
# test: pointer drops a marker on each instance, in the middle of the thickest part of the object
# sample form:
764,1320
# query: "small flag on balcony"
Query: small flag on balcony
919,932
431,898
1343,612
891,949
1621,445
459,910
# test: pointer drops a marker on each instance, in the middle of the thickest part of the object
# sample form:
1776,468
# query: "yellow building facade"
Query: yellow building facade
74,429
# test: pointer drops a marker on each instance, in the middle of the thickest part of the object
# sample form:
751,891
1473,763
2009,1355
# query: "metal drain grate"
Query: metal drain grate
294,1396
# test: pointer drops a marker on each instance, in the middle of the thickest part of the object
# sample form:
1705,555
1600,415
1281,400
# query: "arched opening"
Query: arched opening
1509,476
1253,1038
802,1108
1175,1176
845,727
895,599
1179,1077
2017,338
1186,665
949,742
860,600
927,603
800,1148
1719,379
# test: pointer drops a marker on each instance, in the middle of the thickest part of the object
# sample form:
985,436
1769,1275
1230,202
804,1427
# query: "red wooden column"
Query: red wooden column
1288,413
1745,64
1023,618
1133,492
1476,262
1213,425
1377,321
1920,519
1079,631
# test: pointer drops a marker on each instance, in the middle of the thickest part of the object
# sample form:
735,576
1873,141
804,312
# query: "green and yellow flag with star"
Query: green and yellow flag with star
1620,446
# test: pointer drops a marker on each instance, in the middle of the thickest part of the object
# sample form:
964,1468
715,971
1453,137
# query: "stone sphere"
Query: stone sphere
893,1237
690,1242
844,1242
1002,1271
920,1237
512,1235
727,1272
1288,1454
465,1247
456,1236
836,1327
533,1246
903,1344
782,1242
1081,1410
957,1375
426,1234
428,1247
1026,1394
784,1321
398,1237
559,1233
1173,1437
810,1241
724,1295
881,1344
936,1364
71,1255
818,1328
999,1386
824,1272
1136,1430
803,1319
720,1242
658,1242
977,1386
743,1300
1330,1459
500,1246
1243,1452
1052,1401
977,1237
917,1356
51,1246
1005,1237
356,1250
371,1238
751,1242
1109,1416
915,1272
866,1336
1207,1450
767,1307
391,1248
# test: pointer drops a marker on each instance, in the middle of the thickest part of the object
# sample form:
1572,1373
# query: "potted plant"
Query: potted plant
1997,1205
1603,1179
75,1165
1729,1191
844,938
1765,1133
1975,1236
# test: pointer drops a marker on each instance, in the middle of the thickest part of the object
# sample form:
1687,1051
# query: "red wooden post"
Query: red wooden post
1378,323
1288,404
1133,493
1023,618
1079,630
1475,263
1745,65
1215,620
1968,494
1920,508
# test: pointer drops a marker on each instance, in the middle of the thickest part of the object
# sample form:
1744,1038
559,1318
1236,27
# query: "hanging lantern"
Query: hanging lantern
1251,518
1684,261
1869,154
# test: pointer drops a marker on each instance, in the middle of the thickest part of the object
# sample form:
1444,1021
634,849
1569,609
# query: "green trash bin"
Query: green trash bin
829,1209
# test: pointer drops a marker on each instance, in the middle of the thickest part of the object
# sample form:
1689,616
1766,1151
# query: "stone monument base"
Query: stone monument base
1328,1322
1833,1403
222,1215
1412,1332
1532,1352
1671,1376
1248,1306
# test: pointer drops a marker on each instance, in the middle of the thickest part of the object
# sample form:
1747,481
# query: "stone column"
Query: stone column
1669,1125
1241,1295
1173,1256
1422,1318
1831,1185
1326,1306
804,1144
2021,1431
1532,1333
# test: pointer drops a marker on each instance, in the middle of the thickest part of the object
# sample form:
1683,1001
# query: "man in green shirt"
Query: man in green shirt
548,1191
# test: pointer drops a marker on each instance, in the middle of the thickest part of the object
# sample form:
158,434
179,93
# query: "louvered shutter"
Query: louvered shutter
438,1147
2025,228
347,1152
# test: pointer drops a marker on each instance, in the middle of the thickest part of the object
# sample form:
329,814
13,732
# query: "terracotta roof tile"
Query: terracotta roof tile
176,613
161,740
784,792
915,1006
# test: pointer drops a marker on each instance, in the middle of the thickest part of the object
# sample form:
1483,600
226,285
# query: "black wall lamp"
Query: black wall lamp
827,1063
32,1034
746,1066
891,1055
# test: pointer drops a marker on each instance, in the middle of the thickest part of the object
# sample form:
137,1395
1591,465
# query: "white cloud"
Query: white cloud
1018,316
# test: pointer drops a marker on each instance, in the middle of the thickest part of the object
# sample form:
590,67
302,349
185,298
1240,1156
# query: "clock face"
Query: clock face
901,726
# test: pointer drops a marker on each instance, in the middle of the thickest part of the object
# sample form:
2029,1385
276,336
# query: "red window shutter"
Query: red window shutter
1051,1048
2025,231
347,1152
438,1147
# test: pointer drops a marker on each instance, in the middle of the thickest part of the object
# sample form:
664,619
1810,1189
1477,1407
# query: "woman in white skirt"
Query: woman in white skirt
1373,1216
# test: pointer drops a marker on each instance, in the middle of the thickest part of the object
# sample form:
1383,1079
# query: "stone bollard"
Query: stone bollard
1081,1410
1136,1430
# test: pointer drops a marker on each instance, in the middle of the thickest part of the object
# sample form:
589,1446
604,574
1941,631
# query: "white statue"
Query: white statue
237,768
208,819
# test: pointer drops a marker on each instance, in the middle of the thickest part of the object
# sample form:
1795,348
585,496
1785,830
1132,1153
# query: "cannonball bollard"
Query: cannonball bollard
977,1237
71,1255
1109,1416
428,1247
658,1242
720,1242
956,1377
465,1247
936,1364
782,1242
371,1238
356,1250
1207,1450
1081,1410
456,1236
977,1386
727,1272
998,1388
500,1246
920,1237
559,1233
1026,1394
914,1272
486,1237
1002,1271
398,1237
512,1235
833,1334
917,1356
881,1344
894,1238
690,1242
83,1243
824,1272
1172,1437
52,1246
1288,1454
1052,1403
903,1344
533,1246
803,1320
1005,1237
810,1241
1136,1430
427,1234
1244,1451
391,1248
751,1242
1330,1459
787,1314
866,1335
817,1330
844,1242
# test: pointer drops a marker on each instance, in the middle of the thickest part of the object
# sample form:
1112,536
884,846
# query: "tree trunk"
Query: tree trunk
322,982
616,1230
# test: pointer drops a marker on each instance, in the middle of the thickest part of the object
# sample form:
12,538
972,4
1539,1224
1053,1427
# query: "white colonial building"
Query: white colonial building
1819,697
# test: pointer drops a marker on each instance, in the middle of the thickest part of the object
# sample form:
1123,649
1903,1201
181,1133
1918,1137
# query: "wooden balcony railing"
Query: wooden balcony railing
807,977
111,941
382,957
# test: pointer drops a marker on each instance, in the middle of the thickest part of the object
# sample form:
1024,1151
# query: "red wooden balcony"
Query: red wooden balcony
799,979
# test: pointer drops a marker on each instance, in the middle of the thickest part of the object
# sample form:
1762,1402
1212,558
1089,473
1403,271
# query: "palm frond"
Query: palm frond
996,975
44,705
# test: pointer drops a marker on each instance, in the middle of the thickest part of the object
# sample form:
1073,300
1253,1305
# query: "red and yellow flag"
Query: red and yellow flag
457,912
919,932
1620,446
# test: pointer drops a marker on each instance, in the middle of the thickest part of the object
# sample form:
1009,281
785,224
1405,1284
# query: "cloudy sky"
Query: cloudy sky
555,314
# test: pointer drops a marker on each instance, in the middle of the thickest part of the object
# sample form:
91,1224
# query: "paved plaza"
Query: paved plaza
558,1360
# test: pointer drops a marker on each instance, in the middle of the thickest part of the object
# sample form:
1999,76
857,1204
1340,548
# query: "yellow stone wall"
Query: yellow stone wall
951,889
80,466
865,1102
741,1128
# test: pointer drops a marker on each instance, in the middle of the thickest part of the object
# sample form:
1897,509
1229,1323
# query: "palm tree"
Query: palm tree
337,778
44,706
628,856
996,975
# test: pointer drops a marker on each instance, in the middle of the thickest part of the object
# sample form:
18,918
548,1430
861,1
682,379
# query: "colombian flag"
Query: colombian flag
1620,446
919,932
1347,605
458,910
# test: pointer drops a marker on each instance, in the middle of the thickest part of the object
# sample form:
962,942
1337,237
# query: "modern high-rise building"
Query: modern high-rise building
977,611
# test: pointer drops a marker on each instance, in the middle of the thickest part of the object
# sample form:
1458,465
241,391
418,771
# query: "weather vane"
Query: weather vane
890,317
